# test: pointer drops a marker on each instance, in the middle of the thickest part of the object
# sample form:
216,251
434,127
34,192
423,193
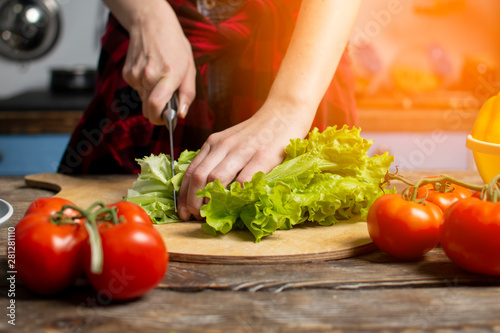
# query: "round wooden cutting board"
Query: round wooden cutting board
187,242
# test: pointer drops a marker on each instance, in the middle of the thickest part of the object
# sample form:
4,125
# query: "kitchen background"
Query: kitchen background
82,23
423,69
432,63
26,93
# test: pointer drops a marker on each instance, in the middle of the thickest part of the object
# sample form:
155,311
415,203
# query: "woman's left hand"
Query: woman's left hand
238,152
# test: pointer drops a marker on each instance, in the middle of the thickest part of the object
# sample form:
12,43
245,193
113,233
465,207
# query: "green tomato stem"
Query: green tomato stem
443,180
95,242
394,176
59,218
104,214
97,212
492,190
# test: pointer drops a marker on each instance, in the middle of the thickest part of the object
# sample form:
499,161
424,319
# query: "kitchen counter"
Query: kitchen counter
46,100
371,292
42,111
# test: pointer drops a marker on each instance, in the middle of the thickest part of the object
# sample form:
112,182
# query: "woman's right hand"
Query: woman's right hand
159,58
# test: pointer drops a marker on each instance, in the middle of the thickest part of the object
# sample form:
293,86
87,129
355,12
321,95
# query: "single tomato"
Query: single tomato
404,229
132,212
134,256
476,194
135,261
48,255
470,235
50,206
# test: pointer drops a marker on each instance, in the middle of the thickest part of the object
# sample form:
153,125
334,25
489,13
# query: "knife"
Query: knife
170,118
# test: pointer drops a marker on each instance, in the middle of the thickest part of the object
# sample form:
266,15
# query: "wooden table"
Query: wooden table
372,292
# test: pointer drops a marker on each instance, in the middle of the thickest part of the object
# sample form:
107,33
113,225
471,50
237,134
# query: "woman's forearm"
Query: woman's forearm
319,40
133,12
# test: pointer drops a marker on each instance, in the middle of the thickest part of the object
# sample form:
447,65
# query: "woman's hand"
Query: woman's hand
256,144
159,57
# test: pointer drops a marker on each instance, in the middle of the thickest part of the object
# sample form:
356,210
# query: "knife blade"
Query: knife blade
170,118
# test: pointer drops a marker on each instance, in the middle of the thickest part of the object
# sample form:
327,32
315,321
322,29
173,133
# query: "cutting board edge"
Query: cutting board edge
43,181
269,260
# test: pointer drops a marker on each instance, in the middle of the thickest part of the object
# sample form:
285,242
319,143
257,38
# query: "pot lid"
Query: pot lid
28,28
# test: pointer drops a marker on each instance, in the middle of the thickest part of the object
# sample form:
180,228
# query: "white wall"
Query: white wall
78,44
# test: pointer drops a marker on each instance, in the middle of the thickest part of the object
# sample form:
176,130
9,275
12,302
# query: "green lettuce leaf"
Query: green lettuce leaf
325,178
153,189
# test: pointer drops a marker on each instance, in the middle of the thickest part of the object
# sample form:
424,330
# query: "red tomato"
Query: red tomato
48,256
50,206
135,261
470,235
132,212
404,229
476,194
443,199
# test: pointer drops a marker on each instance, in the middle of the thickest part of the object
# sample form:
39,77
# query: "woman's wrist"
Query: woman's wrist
295,103
132,13
287,114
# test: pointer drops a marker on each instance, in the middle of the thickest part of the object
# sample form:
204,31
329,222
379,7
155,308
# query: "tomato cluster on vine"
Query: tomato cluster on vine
116,247
463,218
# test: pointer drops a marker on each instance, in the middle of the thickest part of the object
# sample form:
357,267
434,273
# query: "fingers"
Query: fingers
217,160
157,99
259,162
131,71
187,188
211,163
213,167
155,73
132,74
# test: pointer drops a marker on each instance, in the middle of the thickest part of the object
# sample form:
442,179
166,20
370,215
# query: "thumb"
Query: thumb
187,93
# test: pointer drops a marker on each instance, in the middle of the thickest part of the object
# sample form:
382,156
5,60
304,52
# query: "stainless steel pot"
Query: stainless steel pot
28,28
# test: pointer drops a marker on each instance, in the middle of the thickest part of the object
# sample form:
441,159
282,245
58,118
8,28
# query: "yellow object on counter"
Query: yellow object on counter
413,80
485,139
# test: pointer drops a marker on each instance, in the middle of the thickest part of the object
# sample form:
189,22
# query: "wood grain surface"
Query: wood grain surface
373,292
187,242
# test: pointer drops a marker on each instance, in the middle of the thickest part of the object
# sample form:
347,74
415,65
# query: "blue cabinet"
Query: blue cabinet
26,154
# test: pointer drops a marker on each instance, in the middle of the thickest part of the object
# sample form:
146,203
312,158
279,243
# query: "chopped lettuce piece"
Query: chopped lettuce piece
153,189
